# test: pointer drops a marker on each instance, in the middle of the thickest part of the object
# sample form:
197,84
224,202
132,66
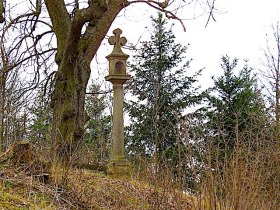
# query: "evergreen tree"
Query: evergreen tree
235,105
161,91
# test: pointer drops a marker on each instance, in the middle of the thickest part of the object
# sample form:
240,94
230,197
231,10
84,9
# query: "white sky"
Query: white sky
239,31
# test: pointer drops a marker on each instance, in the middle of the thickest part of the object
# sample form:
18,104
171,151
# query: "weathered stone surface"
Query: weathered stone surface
118,165
117,59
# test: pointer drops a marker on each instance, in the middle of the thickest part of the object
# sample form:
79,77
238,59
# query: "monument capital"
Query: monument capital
117,59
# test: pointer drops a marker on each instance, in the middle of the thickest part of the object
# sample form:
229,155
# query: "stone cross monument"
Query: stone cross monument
118,165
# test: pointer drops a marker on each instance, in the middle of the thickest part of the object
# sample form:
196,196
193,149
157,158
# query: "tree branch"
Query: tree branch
12,66
161,6
212,7
97,30
99,92
38,7
61,23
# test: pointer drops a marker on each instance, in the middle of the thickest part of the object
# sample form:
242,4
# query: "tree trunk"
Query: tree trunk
277,85
2,105
277,106
69,116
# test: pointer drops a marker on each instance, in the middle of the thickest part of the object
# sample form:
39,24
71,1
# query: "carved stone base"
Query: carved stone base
119,167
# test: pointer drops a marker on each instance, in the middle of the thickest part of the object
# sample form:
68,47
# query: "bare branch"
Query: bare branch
161,6
211,15
96,32
14,65
99,93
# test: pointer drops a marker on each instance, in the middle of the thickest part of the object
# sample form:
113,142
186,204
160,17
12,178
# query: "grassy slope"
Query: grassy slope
85,190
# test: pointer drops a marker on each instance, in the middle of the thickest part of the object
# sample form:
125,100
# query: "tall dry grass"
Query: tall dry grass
244,176
247,178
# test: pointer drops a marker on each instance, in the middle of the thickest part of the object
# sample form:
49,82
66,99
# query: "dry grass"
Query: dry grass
243,177
247,177
84,189
97,191
247,180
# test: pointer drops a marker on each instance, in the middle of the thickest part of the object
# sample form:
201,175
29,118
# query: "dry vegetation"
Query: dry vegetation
27,182
85,190
247,179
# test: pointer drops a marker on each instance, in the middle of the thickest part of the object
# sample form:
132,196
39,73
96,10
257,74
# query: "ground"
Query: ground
30,184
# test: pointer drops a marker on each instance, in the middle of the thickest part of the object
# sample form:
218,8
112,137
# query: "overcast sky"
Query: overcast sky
239,31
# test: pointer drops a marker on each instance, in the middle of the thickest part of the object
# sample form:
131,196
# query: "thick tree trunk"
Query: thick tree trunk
69,116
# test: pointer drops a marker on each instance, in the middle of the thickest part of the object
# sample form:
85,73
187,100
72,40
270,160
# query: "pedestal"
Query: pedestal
119,167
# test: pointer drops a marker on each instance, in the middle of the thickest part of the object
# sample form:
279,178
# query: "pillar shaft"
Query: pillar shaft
118,123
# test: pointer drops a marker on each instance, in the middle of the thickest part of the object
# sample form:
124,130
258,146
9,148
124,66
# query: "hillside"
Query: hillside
26,183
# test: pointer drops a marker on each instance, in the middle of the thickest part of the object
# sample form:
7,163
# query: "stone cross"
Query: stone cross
117,41
118,165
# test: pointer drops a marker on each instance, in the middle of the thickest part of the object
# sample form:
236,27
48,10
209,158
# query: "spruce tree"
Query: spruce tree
235,106
161,91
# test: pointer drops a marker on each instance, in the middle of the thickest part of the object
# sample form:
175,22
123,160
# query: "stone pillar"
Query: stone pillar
118,165
118,124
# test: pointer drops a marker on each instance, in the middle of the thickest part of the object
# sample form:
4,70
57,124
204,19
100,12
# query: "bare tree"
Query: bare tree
79,28
272,75
12,103
23,55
